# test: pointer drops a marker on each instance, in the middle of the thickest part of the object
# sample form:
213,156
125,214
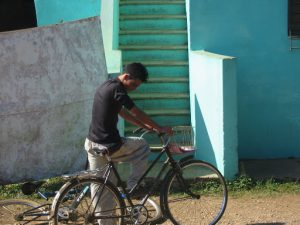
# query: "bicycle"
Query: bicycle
188,181
21,211
26,211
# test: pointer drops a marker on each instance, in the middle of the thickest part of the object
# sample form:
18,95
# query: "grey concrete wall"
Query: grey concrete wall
47,82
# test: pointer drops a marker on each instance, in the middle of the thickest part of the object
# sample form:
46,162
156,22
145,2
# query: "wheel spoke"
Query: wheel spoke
21,211
199,185
88,205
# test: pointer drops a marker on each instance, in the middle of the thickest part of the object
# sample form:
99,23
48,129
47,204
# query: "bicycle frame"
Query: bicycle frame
110,167
170,161
33,215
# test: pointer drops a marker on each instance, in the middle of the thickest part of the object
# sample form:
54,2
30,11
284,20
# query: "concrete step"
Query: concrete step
136,55
170,120
142,32
170,103
163,87
141,24
150,2
170,71
168,80
152,9
151,17
167,112
181,138
283,169
130,128
153,39
158,95
162,63
155,34
152,47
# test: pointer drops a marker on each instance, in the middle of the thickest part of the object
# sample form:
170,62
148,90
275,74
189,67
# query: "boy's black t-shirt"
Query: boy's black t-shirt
110,97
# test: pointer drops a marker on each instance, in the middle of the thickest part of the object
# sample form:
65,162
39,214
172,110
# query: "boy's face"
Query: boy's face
131,84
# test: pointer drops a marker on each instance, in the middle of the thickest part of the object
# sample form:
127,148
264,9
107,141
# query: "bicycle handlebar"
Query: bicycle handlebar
164,137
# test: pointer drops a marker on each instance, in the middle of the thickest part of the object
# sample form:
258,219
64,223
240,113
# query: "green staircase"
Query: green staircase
155,33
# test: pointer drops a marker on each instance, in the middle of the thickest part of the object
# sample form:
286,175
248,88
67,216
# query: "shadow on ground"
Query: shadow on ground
265,223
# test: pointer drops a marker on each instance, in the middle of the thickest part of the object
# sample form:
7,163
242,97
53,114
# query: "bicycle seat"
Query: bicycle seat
29,188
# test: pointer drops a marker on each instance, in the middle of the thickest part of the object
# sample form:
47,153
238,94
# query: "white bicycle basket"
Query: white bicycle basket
183,140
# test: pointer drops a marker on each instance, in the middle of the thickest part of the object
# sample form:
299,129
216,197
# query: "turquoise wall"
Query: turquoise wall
58,11
268,73
213,110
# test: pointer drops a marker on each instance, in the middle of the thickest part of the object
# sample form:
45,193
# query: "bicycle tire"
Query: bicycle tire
204,181
18,211
63,210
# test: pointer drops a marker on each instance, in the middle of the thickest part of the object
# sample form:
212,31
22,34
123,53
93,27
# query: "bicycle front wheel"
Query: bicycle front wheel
196,195
19,211
88,201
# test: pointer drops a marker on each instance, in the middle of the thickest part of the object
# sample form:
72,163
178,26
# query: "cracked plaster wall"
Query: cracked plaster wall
47,82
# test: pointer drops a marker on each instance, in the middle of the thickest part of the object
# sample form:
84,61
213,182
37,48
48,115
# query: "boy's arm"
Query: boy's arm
147,122
125,114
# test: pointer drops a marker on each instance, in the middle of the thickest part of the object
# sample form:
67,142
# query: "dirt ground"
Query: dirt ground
278,210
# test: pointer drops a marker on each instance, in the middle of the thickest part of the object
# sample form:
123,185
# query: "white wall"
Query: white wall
47,83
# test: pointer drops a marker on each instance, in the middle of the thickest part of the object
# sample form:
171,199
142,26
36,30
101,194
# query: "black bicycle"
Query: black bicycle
96,200
21,211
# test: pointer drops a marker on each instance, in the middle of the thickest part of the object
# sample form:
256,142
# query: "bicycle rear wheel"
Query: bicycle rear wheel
197,196
20,211
81,200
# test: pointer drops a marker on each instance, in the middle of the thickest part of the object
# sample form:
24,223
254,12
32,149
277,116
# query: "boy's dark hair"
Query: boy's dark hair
137,71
